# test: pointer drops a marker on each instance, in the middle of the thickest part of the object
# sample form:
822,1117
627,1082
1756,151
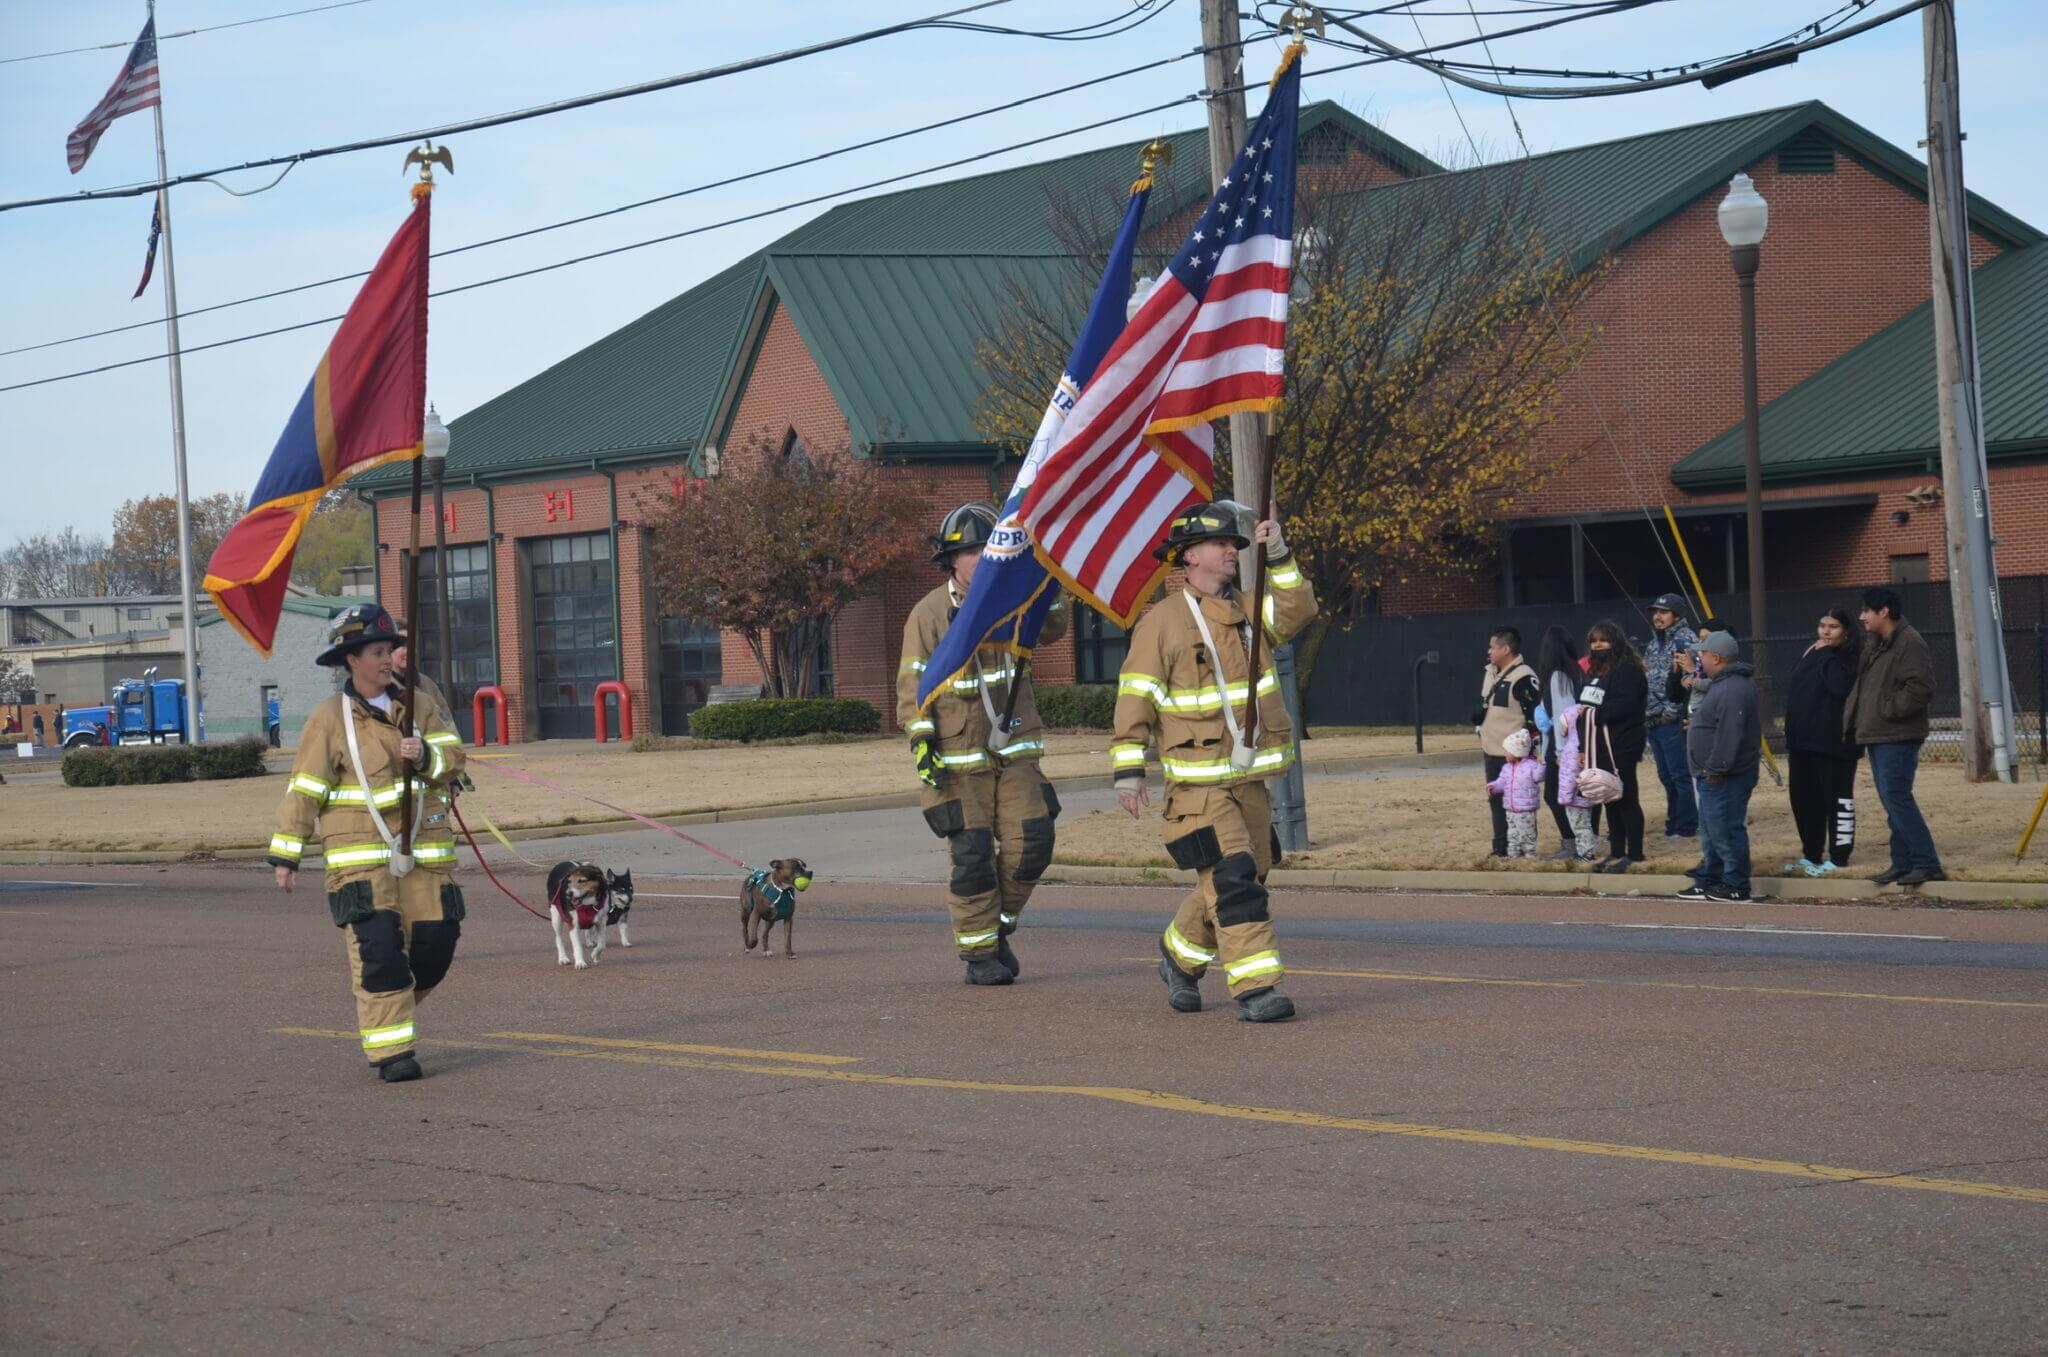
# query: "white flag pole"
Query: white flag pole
185,583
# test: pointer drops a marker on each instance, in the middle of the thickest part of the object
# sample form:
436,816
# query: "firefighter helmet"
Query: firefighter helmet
1208,521
355,627
967,528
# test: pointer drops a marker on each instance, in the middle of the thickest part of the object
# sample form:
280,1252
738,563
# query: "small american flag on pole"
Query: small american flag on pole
1209,340
133,90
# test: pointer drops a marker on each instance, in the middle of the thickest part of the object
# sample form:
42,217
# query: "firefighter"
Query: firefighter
1184,686
401,916
423,682
983,791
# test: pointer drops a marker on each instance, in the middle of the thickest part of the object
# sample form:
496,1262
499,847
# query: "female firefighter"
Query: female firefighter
1184,684
983,791
402,915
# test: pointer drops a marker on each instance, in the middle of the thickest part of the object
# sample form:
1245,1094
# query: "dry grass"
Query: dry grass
206,816
1426,819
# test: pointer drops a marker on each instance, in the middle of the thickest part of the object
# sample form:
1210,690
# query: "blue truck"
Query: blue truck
148,710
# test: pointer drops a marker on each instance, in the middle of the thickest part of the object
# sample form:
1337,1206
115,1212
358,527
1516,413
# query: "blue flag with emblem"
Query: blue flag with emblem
1012,592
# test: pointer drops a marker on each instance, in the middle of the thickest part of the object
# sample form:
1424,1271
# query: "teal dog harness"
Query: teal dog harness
782,897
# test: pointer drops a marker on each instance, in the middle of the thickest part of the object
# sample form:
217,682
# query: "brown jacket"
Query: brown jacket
957,723
325,801
1894,687
1167,690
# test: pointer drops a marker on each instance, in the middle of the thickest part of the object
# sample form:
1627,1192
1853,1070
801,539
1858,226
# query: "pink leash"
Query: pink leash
631,815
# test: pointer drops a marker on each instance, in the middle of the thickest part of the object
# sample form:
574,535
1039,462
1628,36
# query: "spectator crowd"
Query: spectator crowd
1569,733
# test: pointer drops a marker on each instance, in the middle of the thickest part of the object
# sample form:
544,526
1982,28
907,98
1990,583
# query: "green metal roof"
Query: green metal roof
1872,411
895,335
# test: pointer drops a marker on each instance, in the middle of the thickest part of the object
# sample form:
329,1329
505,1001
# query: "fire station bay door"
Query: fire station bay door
575,636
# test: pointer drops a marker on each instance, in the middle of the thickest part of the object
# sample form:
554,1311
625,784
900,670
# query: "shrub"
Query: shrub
643,743
777,718
231,758
153,765
1088,706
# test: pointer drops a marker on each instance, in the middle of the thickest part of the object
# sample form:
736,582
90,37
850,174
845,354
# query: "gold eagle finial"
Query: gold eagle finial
426,155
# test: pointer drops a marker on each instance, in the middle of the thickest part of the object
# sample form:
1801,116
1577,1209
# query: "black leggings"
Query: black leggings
1564,825
1823,792
1625,817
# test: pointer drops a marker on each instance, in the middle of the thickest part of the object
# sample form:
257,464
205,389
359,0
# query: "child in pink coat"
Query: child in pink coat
1578,813
1520,788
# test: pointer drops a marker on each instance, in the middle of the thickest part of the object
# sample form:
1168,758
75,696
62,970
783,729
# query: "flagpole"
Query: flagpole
185,592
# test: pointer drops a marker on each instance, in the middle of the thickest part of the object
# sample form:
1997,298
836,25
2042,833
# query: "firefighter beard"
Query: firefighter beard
998,826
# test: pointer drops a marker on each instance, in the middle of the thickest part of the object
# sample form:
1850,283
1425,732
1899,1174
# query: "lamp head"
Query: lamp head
1743,214
434,437
1138,291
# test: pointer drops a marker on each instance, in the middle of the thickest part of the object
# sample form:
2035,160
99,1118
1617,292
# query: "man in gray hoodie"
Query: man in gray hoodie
1724,745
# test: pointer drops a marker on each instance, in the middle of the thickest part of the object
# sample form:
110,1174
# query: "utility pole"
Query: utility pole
1982,678
1222,68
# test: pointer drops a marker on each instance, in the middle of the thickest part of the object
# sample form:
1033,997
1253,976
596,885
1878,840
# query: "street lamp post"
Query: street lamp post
434,445
1743,215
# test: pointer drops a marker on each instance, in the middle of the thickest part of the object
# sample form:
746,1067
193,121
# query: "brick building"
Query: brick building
858,331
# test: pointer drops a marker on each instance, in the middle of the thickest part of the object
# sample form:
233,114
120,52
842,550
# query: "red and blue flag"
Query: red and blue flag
365,406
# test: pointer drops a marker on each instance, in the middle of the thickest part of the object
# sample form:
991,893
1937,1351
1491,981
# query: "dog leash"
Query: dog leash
487,867
720,854
499,835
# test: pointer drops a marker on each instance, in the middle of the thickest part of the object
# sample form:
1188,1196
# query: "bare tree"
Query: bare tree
56,565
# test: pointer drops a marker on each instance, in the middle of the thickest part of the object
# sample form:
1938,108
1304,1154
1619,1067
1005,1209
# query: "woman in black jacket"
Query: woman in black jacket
1618,691
1822,776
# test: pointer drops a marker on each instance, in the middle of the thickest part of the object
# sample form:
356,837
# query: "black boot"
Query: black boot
1006,956
399,1069
986,970
1183,994
1264,1005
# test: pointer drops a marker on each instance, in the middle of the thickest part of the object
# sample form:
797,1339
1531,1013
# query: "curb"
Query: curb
1644,884
63,857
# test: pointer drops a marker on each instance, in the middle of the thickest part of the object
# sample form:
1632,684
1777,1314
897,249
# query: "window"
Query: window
1909,569
470,622
138,614
1099,647
1811,153
71,614
796,454
574,644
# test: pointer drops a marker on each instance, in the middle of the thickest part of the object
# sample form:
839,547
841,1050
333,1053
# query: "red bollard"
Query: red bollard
618,690
476,714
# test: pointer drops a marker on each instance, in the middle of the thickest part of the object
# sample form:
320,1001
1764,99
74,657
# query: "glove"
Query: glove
927,762
1276,548
1543,721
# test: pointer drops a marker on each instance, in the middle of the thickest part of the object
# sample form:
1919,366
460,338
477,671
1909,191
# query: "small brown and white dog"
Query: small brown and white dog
583,900
768,896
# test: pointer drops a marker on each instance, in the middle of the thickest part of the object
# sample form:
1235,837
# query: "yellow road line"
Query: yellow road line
1658,984
1174,1102
789,1057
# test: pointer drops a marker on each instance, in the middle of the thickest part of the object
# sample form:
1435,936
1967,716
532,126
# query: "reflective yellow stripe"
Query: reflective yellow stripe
1127,756
912,666
286,847
306,785
1258,963
444,737
972,759
1007,920
1141,685
375,1038
1205,699
433,852
440,764
1286,576
345,795
357,854
1011,751
975,939
920,727
1219,770
1185,950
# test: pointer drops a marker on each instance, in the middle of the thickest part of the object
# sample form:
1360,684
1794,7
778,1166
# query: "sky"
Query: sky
72,451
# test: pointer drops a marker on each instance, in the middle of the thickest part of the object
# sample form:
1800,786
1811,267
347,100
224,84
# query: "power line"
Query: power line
518,115
183,33
747,217
643,202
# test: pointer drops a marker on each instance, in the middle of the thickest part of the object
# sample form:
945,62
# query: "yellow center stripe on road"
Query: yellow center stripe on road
1174,1102
1423,977
740,1052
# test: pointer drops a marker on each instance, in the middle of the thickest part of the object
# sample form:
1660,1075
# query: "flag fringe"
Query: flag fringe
1011,646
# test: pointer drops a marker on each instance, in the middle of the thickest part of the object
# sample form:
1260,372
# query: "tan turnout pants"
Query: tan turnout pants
1225,834
399,935
998,823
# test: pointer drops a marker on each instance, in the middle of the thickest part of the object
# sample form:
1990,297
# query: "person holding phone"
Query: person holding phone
1664,719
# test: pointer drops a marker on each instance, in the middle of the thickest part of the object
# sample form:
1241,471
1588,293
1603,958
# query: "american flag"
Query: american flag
1209,340
133,90
156,230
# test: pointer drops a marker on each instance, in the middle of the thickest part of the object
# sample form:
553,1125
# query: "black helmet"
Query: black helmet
1208,521
356,627
967,528
1670,603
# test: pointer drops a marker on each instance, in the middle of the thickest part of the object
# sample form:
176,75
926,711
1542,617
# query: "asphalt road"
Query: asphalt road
1502,1124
